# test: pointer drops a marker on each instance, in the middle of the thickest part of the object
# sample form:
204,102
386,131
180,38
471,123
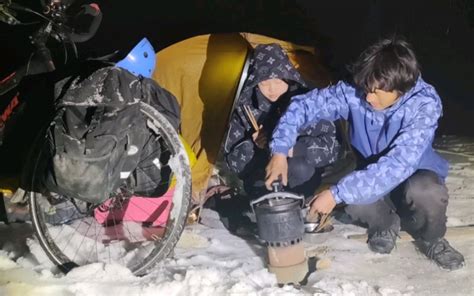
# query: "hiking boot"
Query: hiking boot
442,253
382,241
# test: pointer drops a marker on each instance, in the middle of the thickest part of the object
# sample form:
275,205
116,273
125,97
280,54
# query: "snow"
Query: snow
209,260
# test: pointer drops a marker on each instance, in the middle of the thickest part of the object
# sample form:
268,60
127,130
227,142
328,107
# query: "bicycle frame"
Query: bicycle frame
55,17
10,102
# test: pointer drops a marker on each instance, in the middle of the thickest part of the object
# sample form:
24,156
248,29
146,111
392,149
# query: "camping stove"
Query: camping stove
280,222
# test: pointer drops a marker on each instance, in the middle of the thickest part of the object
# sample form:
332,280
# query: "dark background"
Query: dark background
441,31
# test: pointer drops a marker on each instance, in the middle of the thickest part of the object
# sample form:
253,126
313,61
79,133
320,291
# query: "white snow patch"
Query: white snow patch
209,260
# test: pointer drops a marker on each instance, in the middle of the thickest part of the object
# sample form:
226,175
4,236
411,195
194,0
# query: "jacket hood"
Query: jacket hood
270,61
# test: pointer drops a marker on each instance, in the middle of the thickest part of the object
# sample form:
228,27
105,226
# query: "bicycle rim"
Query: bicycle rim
79,238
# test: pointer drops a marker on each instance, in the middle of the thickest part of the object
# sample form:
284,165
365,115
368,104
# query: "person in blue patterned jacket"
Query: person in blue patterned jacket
393,114
271,82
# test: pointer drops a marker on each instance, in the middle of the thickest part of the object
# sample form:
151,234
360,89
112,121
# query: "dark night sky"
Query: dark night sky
442,32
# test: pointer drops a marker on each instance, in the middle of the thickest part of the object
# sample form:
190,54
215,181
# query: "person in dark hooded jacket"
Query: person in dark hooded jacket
272,81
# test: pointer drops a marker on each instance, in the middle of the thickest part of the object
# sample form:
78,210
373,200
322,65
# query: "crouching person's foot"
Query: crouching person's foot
441,252
382,241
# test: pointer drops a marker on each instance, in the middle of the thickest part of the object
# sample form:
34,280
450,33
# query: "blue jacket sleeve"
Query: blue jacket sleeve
378,179
328,103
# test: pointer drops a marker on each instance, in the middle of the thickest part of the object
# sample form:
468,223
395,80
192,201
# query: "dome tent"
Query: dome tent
205,73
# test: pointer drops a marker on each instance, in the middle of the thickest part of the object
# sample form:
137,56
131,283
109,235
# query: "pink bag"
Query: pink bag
153,210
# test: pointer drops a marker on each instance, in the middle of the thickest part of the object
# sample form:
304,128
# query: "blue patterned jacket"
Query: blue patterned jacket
399,137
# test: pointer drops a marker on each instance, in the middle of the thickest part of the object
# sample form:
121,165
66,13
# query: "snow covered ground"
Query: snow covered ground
210,261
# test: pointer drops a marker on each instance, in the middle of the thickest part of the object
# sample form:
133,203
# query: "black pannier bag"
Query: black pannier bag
99,137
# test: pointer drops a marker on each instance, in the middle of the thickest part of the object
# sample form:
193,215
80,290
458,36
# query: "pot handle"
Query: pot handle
277,195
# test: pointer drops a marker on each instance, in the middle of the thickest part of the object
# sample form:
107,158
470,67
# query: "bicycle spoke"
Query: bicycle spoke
114,234
82,241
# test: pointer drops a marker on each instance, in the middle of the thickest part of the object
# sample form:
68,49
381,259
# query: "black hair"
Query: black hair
389,65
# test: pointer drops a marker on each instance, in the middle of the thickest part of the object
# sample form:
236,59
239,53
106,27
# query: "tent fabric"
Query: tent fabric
305,59
204,73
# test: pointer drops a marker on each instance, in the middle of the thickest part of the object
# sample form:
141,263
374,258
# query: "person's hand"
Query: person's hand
260,138
278,166
323,203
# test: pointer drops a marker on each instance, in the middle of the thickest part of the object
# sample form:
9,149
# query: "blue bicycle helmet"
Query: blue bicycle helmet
140,60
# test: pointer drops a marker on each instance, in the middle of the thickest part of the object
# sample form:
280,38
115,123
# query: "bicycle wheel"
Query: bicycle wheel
72,235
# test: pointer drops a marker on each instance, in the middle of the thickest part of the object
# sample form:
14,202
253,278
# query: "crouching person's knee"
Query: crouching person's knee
299,170
425,191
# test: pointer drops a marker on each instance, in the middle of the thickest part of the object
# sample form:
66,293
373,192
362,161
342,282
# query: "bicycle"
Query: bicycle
78,233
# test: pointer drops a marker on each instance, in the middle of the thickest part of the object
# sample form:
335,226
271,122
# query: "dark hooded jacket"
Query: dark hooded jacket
317,143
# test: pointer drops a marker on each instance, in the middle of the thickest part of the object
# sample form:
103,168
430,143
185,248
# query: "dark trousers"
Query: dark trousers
303,178
418,205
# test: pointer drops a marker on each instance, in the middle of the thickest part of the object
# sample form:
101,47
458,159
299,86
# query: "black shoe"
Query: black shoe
442,253
383,241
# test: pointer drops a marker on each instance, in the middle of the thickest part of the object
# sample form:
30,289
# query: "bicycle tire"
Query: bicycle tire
179,164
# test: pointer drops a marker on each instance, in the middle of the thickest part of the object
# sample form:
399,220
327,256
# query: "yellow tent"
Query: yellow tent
205,73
